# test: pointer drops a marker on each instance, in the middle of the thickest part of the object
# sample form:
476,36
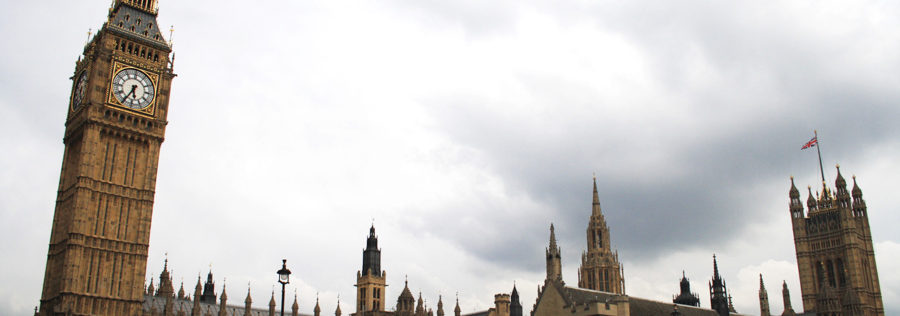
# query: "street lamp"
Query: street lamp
284,277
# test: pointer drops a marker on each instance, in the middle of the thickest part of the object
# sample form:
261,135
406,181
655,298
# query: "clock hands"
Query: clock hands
132,93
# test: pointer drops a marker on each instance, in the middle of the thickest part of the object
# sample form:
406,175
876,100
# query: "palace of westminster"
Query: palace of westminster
116,122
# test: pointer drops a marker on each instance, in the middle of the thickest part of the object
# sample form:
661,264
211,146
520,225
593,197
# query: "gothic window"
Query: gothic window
842,278
830,267
820,275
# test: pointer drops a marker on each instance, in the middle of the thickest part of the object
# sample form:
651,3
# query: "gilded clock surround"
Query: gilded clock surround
117,67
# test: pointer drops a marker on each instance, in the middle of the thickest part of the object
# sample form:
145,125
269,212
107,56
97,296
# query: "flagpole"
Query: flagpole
818,145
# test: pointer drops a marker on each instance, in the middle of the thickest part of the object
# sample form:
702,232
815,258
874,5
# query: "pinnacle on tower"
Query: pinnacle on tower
337,311
786,295
272,300
794,193
317,309
596,203
763,298
223,297
554,261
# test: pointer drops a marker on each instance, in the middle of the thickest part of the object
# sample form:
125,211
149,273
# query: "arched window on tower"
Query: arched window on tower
820,275
842,278
830,267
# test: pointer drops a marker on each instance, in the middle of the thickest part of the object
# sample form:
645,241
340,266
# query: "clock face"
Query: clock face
133,88
79,91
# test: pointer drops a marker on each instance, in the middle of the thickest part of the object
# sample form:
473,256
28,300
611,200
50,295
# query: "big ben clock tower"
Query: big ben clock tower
115,125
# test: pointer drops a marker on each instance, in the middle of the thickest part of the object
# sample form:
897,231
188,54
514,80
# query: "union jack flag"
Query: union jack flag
811,143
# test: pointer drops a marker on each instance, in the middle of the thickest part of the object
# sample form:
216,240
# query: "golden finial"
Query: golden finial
89,32
171,33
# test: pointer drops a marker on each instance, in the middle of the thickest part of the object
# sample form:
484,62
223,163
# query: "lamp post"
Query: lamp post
284,277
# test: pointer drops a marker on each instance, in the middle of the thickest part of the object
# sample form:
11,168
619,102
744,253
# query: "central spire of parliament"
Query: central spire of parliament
600,268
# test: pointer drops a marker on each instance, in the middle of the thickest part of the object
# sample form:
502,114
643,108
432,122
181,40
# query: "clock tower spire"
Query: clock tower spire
117,116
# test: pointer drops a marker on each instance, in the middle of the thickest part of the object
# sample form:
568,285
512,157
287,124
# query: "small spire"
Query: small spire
596,203
857,192
247,300
552,237
272,300
794,193
88,40
224,296
337,311
762,287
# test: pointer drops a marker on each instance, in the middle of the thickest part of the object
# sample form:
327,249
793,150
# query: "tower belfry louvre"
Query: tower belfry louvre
835,255
117,116
600,268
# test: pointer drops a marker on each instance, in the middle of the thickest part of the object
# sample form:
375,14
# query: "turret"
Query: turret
811,201
195,310
295,308
181,291
222,302
337,311
406,301
763,299
272,304
151,289
165,282
718,292
420,305
554,261
859,205
786,295
248,302
515,306
457,310
440,306
501,304
209,290
317,310
796,206
372,255
843,196
686,297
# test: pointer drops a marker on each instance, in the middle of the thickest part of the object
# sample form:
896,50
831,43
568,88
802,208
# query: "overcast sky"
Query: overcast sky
464,128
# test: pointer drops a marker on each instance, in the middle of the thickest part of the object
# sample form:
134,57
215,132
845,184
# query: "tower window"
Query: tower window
127,17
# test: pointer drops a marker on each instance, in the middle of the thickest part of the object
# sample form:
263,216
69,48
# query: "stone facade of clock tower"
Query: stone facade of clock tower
97,258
